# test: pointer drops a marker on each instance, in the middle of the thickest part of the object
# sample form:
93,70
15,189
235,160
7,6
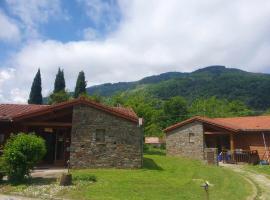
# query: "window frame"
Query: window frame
191,137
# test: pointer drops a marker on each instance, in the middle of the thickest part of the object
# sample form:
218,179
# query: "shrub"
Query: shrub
85,177
21,153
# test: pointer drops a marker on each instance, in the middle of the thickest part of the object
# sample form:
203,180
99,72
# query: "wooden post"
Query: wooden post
232,145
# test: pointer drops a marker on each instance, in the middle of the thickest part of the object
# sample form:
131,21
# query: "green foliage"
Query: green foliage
80,85
59,97
224,83
94,97
159,114
21,153
84,177
175,110
59,83
147,107
35,96
213,107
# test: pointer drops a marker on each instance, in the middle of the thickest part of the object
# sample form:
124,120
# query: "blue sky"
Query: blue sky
69,23
125,40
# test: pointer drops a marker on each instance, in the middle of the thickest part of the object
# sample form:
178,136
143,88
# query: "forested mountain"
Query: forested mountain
109,89
165,99
225,83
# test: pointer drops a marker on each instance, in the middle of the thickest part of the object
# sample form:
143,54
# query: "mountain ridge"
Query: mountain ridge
217,80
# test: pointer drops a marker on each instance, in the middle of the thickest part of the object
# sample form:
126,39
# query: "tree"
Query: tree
213,107
59,83
80,85
58,97
35,96
175,110
21,153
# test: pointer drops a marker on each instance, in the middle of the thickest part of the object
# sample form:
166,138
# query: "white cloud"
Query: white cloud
154,37
32,13
102,13
9,31
90,34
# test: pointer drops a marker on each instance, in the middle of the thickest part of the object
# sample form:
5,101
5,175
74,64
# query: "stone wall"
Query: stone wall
186,141
121,146
211,155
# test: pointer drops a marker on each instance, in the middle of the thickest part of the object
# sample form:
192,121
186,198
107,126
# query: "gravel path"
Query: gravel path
10,197
260,182
44,173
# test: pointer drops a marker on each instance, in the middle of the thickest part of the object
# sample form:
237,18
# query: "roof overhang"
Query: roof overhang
71,103
204,120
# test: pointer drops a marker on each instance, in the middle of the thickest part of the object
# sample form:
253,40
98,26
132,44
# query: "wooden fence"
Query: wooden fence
240,156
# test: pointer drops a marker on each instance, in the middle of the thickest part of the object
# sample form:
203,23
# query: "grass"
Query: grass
261,169
161,178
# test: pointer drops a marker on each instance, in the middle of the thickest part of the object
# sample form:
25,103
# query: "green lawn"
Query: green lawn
261,169
162,178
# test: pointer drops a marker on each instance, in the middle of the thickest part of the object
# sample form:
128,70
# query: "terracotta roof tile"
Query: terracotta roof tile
235,124
8,111
247,123
127,111
19,111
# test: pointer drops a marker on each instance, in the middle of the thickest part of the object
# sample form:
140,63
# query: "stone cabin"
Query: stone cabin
87,133
241,136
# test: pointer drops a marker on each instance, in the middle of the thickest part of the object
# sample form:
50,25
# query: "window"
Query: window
100,135
191,137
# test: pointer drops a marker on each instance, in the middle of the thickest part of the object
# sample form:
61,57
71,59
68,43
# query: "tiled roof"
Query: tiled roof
234,124
247,123
8,111
128,111
19,111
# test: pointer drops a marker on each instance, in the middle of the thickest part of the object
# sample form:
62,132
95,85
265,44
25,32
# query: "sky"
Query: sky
125,40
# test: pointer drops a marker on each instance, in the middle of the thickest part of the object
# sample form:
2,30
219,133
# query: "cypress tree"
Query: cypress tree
80,85
59,83
35,96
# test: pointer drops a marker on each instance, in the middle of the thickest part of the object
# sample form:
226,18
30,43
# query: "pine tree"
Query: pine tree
80,85
35,96
59,83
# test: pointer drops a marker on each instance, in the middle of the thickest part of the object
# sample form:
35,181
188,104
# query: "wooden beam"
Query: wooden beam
54,115
48,124
215,133
232,147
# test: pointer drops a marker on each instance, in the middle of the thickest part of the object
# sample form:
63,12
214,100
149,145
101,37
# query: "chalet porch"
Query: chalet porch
53,126
57,144
235,147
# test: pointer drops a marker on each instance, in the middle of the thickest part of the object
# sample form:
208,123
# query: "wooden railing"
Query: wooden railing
240,156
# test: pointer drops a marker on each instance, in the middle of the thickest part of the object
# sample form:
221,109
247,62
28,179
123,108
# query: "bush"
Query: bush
85,177
21,153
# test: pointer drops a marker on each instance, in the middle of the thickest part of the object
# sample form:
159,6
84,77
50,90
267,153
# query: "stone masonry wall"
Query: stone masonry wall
186,141
121,147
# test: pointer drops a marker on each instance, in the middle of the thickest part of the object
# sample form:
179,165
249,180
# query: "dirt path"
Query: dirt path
10,197
261,183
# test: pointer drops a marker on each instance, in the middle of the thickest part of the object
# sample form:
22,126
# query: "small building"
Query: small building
85,132
242,137
154,141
